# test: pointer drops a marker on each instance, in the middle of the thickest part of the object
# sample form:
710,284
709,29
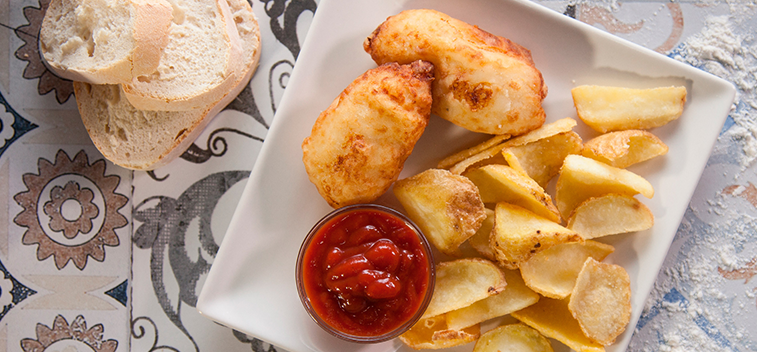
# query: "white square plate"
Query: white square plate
251,285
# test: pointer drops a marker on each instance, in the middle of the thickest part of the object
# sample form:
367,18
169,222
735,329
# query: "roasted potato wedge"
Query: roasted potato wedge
624,148
480,241
581,178
607,109
432,333
610,214
483,82
518,234
541,160
501,183
601,301
492,155
543,132
516,296
553,271
455,158
513,338
552,318
446,207
489,152
461,282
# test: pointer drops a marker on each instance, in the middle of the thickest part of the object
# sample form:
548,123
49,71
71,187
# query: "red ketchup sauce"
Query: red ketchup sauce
366,273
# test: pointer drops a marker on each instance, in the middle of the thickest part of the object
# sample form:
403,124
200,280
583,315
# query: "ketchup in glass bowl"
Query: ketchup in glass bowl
365,273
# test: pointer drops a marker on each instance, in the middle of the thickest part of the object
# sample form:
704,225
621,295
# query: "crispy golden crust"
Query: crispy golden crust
484,82
359,144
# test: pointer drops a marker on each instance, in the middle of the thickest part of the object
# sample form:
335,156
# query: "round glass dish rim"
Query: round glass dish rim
357,338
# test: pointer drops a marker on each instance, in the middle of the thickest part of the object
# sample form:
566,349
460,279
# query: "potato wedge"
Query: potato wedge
610,214
516,296
461,282
553,271
545,131
501,183
433,333
552,318
492,155
446,207
601,301
518,234
480,241
455,158
541,160
513,338
581,178
624,148
607,109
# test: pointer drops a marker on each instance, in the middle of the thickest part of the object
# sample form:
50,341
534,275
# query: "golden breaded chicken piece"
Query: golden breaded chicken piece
359,144
483,82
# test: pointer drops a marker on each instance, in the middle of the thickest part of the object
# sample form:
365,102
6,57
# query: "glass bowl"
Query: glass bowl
365,273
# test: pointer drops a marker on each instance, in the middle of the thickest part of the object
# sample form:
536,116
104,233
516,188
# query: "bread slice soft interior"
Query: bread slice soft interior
200,64
105,41
145,140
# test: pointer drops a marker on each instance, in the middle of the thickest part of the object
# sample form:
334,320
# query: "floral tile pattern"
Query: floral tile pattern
94,257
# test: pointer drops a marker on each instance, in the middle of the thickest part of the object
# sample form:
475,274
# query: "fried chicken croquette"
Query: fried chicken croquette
483,82
359,144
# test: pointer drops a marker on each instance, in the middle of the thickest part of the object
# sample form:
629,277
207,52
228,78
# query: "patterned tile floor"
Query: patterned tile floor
95,257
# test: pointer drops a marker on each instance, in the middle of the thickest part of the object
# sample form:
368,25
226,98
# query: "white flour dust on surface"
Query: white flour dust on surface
705,297
696,311
729,52
611,5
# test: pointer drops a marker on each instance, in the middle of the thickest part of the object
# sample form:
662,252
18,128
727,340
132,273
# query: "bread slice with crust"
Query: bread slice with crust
145,140
105,41
200,64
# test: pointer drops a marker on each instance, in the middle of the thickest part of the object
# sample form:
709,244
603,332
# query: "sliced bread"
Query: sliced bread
200,64
145,140
248,30
105,41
